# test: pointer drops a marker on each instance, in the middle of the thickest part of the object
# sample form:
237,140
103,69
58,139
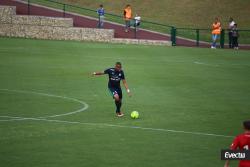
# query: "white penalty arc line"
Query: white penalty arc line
16,118
116,126
85,105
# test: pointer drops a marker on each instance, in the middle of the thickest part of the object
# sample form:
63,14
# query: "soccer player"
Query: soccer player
216,30
242,142
116,74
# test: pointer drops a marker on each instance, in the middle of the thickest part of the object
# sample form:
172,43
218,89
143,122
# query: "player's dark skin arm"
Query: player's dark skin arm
98,73
126,86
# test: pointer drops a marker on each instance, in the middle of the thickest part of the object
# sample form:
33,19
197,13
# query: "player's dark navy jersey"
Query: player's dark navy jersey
114,77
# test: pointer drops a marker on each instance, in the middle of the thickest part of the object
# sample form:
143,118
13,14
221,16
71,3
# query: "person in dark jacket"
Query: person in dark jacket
235,36
230,28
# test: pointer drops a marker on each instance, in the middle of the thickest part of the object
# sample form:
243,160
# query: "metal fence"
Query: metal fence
179,36
202,37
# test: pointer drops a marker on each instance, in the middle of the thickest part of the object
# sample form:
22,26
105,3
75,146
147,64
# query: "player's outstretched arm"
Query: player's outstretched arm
126,86
98,73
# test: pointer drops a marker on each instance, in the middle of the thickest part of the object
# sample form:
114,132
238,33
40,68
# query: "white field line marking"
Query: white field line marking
217,65
15,118
113,125
201,63
85,105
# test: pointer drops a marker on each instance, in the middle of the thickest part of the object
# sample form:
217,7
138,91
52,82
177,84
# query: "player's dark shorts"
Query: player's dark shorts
113,91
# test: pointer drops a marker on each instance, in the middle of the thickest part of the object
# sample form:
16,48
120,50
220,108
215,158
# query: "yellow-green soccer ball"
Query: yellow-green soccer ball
134,114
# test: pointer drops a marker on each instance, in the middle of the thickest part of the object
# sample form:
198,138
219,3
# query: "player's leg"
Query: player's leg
117,99
118,102
119,92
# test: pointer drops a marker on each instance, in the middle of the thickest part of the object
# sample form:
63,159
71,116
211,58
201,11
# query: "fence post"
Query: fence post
197,37
135,26
135,32
222,38
173,36
28,7
64,9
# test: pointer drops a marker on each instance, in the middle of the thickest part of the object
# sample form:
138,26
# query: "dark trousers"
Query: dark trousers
230,40
234,42
127,24
100,22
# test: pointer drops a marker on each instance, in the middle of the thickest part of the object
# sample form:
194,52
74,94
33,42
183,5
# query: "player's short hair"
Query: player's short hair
118,63
246,124
101,6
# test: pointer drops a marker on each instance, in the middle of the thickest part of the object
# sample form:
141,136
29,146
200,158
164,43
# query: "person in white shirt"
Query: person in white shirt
230,31
137,20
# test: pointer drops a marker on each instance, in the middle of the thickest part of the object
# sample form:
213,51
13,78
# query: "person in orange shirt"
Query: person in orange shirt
216,30
127,14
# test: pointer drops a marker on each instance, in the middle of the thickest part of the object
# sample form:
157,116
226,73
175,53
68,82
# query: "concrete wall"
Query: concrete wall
140,42
40,27
56,33
43,21
8,15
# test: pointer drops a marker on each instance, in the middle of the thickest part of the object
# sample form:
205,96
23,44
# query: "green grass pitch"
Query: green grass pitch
182,95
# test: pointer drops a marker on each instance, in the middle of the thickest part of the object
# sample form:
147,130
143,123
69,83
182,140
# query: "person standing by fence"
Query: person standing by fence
137,21
127,14
100,13
216,30
230,28
235,36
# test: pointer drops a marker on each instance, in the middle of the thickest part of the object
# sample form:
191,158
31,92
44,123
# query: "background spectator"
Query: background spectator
101,13
235,36
127,13
230,28
137,21
216,30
